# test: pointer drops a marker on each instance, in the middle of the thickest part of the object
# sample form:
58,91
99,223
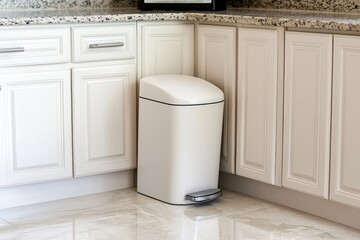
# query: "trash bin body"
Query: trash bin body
179,137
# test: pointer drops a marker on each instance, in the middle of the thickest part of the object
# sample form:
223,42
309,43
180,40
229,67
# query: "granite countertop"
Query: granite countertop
280,18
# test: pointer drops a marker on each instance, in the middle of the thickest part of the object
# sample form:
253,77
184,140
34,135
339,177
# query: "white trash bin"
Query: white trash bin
180,129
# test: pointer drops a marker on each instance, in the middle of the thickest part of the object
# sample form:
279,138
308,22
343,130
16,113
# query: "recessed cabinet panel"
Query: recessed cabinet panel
106,133
216,56
256,104
104,119
345,150
35,127
307,109
166,49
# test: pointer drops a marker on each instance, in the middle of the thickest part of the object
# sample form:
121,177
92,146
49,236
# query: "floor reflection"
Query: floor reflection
124,214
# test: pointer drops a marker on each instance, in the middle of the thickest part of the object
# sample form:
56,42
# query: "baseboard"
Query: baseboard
320,207
55,190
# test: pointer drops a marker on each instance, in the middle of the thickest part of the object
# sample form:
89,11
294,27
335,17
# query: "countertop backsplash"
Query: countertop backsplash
60,4
341,6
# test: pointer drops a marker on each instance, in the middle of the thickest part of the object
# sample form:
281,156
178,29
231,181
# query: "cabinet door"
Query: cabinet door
345,151
35,127
256,104
307,109
216,63
104,119
166,49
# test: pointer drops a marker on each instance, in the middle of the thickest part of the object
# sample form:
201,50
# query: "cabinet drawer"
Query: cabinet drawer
34,46
104,43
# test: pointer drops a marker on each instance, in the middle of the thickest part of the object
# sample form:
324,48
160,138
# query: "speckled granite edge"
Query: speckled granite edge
90,19
341,24
251,17
342,6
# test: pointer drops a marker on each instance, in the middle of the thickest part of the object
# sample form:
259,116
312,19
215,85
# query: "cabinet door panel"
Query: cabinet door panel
166,49
256,104
104,119
345,151
217,64
36,127
307,112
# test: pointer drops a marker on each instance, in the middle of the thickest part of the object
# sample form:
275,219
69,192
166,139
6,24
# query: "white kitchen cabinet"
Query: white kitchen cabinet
257,104
104,118
165,48
111,42
307,112
33,46
35,127
345,151
216,63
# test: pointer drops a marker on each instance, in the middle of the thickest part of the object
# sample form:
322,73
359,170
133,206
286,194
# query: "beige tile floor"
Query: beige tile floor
124,214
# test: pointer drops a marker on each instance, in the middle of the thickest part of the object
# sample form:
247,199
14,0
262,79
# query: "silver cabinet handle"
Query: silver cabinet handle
106,45
11,50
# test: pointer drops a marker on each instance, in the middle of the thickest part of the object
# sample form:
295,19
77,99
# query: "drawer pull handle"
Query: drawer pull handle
106,45
12,50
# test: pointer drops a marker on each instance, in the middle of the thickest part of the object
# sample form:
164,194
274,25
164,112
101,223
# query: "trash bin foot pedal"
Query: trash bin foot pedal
204,196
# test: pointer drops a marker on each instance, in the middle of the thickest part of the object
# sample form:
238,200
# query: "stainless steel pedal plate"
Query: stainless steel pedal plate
204,196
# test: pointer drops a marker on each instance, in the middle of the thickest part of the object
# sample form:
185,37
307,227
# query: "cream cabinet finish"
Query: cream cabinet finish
165,48
257,104
345,150
104,119
307,112
21,47
35,126
104,43
216,62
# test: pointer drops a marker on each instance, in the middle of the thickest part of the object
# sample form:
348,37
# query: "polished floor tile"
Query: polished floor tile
125,214
4,224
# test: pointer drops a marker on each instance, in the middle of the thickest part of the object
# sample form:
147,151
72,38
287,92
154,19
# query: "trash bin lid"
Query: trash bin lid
179,90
